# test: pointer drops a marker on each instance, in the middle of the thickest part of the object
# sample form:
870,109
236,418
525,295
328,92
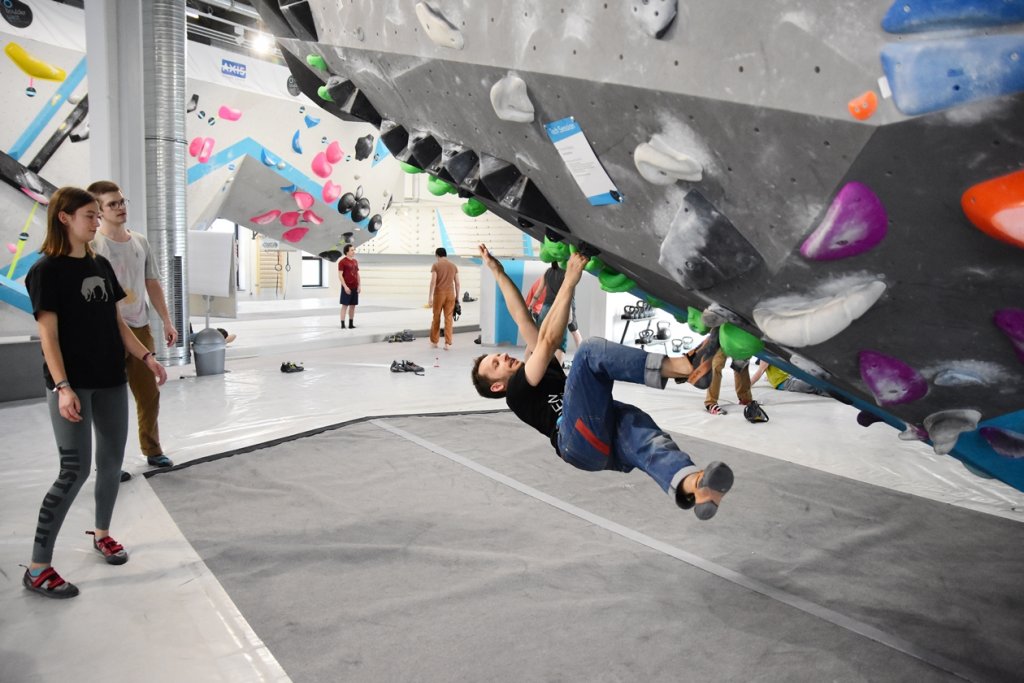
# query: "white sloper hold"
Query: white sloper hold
655,15
806,320
946,426
441,31
661,164
510,100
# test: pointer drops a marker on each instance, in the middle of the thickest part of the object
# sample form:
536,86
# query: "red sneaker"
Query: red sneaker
50,584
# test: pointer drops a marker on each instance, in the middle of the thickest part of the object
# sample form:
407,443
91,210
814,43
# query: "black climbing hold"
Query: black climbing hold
346,202
361,210
330,255
588,250
526,198
703,248
524,224
364,146
361,108
550,234
375,223
460,165
498,176
423,150
300,18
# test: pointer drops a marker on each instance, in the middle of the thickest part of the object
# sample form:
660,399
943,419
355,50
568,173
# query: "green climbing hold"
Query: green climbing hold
324,94
694,321
439,188
317,62
737,343
551,252
409,168
615,282
474,207
595,265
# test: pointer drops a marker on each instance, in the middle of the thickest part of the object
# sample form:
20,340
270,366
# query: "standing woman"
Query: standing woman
74,297
348,275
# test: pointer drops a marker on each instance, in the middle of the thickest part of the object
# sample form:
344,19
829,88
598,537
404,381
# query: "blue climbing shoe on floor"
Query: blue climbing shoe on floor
159,461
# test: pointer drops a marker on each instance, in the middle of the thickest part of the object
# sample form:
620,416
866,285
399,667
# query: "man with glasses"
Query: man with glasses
139,275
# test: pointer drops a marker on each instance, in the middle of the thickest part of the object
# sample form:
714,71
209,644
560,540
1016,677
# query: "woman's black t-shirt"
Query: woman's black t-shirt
539,406
83,292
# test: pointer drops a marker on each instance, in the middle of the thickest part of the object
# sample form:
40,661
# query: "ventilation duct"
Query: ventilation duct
163,40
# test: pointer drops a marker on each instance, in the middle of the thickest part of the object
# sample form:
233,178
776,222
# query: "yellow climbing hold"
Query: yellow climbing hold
35,68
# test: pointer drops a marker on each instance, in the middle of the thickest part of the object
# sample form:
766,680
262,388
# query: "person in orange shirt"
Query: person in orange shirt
444,293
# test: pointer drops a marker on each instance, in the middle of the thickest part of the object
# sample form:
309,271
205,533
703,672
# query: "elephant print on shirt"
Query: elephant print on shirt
95,286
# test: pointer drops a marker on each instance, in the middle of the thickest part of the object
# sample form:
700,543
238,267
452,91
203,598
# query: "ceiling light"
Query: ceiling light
262,43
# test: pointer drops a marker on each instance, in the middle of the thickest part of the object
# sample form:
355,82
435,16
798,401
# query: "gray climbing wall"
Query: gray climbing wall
845,179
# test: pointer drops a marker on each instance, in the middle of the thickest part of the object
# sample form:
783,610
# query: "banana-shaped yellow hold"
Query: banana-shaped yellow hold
33,67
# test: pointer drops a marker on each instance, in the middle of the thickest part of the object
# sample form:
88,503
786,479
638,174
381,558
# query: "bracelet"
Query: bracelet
148,354
61,385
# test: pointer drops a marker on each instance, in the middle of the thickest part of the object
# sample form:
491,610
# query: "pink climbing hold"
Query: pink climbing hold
290,219
304,200
266,218
334,152
206,151
229,113
294,235
331,192
855,223
195,146
310,217
321,166
12,248
1011,322
890,380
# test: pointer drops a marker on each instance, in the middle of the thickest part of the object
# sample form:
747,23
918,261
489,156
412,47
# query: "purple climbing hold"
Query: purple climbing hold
855,223
891,380
1006,443
1011,321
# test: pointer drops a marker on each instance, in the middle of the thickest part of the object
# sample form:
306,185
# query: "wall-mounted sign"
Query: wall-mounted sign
233,69
17,14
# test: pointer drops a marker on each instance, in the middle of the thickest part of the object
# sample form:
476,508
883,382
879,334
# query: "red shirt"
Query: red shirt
349,268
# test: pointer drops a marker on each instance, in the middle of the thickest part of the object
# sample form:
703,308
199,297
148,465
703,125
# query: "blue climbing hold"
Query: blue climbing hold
296,143
913,16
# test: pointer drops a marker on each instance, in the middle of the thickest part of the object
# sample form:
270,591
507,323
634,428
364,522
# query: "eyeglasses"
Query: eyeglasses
117,204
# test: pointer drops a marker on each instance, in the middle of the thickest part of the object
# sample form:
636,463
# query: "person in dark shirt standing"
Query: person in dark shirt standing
74,295
587,428
348,275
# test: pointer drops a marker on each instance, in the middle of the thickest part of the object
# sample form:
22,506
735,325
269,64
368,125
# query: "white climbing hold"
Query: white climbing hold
716,315
438,28
655,15
661,164
804,321
510,100
945,427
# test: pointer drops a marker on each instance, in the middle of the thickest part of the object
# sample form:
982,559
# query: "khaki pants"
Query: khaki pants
443,301
147,395
742,380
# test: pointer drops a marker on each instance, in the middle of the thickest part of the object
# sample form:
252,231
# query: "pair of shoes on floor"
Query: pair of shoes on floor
49,584
289,366
406,366
467,297
700,358
716,477
112,551
403,336
159,461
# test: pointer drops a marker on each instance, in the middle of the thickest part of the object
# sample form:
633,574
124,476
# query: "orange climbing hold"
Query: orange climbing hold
861,108
996,207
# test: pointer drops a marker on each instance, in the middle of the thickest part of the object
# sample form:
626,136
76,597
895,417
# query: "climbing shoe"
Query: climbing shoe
289,366
112,551
755,413
50,584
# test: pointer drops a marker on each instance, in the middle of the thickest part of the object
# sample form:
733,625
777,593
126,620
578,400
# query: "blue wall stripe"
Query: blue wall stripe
446,241
15,294
505,329
53,103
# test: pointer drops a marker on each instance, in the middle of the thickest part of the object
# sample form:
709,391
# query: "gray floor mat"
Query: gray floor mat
359,556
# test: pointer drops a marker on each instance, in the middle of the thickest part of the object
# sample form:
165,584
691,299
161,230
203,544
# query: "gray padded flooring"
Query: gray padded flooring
359,555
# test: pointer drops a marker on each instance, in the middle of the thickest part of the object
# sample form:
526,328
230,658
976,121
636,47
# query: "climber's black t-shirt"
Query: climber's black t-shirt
539,406
83,292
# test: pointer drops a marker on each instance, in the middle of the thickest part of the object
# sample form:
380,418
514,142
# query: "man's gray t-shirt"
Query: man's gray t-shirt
133,264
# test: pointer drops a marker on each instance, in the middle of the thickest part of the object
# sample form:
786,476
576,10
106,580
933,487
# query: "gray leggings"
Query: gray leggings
107,411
